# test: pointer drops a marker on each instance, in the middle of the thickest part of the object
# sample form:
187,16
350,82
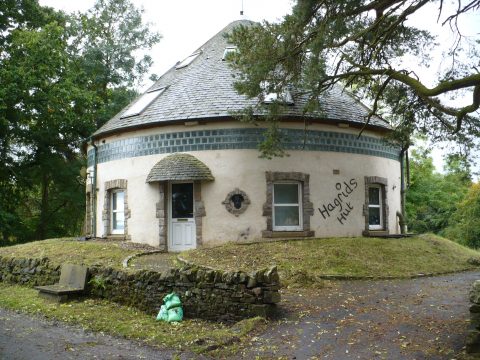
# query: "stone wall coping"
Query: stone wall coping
133,256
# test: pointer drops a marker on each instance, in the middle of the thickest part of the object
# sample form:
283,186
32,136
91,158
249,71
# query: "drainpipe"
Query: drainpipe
401,214
94,189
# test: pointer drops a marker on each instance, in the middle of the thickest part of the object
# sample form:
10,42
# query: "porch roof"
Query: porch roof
179,167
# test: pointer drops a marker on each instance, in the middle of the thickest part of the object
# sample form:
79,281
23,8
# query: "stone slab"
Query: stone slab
72,283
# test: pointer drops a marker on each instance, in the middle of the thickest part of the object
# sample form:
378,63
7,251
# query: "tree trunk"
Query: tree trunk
42,225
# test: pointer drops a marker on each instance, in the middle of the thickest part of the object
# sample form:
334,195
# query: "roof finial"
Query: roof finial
241,11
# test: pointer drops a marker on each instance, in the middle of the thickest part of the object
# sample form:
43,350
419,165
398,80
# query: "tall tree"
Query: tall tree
465,222
61,77
113,39
53,116
15,16
361,44
433,197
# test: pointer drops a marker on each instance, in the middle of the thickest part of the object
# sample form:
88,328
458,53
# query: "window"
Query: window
142,102
375,211
117,201
376,208
287,206
229,51
115,212
284,97
187,61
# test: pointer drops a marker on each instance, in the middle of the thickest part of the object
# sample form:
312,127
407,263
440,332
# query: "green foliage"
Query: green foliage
363,45
465,222
98,282
432,197
61,77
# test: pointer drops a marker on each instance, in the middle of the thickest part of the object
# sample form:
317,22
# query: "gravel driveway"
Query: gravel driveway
23,337
425,318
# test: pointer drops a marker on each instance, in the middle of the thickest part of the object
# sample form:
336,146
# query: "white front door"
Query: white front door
182,234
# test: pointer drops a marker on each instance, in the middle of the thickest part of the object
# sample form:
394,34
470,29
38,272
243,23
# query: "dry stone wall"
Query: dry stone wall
473,338
30,272
205,293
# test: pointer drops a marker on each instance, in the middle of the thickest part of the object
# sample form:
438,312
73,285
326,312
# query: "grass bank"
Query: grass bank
68,250
304,261
100,315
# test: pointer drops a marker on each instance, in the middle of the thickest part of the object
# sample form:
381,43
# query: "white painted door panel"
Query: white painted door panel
182,222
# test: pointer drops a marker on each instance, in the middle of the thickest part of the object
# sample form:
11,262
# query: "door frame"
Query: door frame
169,214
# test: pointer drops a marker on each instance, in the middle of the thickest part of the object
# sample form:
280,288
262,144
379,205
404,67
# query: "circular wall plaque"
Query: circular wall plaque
236,202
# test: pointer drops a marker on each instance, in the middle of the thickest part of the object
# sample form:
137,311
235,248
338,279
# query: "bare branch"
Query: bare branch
473,5
375,105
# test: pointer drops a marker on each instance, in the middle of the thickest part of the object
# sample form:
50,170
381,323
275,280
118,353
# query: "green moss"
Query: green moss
305,261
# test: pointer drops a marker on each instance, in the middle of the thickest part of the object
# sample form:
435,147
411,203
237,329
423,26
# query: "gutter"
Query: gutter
203,120
401,214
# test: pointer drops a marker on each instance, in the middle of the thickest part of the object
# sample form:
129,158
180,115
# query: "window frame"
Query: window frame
285,97
188,60
229,50
299,205
376,206
113,211
142,102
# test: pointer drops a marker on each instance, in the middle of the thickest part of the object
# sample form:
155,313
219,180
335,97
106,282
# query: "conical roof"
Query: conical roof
203,89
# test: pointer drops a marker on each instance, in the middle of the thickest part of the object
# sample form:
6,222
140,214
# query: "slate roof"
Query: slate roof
180,167
204,90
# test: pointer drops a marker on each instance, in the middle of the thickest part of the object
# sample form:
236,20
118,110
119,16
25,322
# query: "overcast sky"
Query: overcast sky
186,24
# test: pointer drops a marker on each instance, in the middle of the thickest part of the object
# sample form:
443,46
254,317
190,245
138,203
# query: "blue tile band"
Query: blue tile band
249,138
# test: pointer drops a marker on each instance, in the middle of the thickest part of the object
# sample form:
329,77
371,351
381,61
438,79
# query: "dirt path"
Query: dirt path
23,337
404,319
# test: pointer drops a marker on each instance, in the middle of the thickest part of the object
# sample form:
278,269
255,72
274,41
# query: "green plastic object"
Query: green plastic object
162,314
175,314
171,310
171,301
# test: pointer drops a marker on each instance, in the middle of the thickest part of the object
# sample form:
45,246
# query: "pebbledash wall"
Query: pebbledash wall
334,166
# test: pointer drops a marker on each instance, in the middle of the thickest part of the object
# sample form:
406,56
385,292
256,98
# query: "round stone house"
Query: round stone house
175,170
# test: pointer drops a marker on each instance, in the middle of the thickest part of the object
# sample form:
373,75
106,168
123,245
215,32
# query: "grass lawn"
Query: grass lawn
68,250
304,261
100,315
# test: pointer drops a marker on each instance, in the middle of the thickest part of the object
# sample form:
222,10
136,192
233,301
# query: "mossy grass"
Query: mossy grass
69,250
304,262
103,316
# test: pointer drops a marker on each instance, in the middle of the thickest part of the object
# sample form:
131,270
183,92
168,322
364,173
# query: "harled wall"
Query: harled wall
331,173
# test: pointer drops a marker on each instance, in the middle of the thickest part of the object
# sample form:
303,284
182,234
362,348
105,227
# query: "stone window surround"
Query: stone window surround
117,184
383,182
307,208
162,213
